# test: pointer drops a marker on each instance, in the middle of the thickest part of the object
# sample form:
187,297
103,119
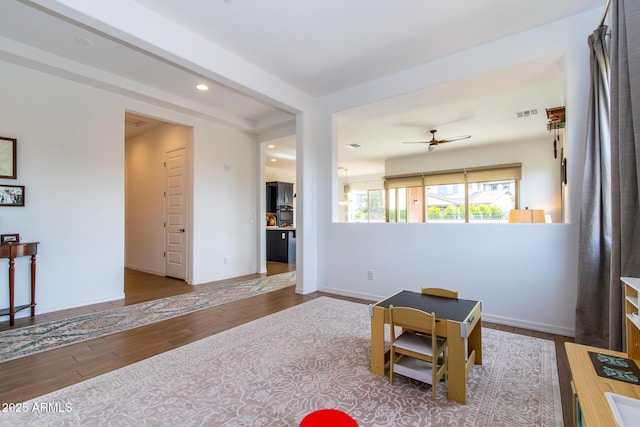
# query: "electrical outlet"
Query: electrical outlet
371,275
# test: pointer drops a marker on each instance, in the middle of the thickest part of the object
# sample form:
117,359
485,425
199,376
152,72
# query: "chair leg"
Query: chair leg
434,377
446,362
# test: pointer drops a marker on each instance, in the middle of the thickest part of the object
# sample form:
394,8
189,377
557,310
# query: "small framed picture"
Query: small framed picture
11,195
8,158
6,239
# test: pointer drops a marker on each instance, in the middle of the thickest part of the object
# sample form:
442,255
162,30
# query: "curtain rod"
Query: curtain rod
604,13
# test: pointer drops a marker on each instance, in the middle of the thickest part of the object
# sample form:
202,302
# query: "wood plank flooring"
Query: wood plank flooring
41,373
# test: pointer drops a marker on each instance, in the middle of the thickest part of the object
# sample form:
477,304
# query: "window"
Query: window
365,206
444,203
484,194
391,203
493,202
376,205
402,204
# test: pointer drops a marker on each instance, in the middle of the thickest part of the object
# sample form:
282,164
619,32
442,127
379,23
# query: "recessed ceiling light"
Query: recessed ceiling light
202,87
274,160
271,146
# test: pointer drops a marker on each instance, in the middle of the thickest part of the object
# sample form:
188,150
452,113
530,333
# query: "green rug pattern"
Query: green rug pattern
46,336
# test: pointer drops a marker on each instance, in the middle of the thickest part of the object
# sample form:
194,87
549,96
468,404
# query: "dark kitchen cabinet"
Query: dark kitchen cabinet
281,246
272,194
285,193
279,193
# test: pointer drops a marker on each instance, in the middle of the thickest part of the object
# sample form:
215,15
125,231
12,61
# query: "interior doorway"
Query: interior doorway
156,196
280,177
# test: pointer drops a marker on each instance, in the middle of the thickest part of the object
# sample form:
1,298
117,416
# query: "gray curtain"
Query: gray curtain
610,235
594,292
625,137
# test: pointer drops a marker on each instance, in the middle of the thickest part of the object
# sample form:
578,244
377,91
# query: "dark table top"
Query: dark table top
445,308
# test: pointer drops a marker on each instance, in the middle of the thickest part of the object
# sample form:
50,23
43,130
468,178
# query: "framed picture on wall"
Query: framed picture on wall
8,157
6,239
11,195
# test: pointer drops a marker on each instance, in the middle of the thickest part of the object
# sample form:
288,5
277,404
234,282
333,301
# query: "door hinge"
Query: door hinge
164,224
165,164
164,254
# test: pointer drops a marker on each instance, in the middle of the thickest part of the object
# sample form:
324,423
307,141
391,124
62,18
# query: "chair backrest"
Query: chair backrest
411,319
440,292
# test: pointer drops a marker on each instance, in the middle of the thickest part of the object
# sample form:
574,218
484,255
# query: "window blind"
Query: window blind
506,172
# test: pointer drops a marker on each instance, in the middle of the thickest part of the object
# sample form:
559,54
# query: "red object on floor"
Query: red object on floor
328,418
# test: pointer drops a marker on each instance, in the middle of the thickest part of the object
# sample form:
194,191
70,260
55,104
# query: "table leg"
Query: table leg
377,341
12,276
475,342
33,285
457,380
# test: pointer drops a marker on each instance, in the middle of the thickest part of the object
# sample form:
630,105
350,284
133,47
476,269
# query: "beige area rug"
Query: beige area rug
275,370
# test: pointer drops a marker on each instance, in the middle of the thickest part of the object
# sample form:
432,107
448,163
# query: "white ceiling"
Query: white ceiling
318,46
322,46
485,106
147,76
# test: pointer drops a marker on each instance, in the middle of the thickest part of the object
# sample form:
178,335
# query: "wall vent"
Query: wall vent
134,122
526,113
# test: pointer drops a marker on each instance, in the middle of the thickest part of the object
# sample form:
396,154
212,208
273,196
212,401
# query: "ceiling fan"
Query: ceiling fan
434,142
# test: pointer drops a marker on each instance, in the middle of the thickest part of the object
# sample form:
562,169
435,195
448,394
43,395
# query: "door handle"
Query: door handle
181,230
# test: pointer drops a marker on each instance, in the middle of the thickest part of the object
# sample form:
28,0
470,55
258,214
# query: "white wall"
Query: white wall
145,183
525,274
72,163
225,203
540,186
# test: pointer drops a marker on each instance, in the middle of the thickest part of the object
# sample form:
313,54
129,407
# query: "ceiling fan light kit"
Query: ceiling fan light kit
434,142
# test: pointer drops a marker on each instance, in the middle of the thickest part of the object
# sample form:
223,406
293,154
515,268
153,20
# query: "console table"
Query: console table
12,251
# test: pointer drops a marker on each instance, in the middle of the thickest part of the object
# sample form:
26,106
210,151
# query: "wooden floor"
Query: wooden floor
41,373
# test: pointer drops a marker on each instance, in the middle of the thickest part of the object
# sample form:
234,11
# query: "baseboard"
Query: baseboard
360,295
300,290
40,310
487,317
202,281
144,270
540,327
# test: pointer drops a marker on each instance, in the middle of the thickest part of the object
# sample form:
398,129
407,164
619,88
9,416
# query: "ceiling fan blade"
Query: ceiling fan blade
434,142
455,138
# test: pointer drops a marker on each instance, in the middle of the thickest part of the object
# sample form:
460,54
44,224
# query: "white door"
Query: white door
175,260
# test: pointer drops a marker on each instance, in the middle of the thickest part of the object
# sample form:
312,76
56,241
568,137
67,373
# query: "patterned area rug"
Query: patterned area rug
277,369
33,339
